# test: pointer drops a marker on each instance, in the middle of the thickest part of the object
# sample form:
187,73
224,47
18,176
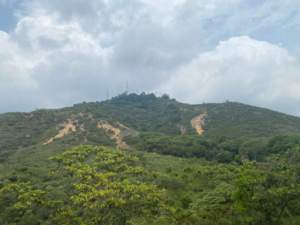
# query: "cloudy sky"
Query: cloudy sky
57,53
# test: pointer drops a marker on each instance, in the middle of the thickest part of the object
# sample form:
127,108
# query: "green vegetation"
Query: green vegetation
243,169
106,193
262,195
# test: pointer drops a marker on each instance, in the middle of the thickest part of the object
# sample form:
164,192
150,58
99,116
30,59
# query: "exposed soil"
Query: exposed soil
62,132
197,123
183,130
29,116
82,127
107,126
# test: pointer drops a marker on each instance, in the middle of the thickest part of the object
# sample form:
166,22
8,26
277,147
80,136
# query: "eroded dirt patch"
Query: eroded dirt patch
107,126
66,130
29,116
183,130
197,123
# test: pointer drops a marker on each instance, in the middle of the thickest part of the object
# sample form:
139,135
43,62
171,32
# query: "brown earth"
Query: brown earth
197,123
62,132
183,130
107,126
29,116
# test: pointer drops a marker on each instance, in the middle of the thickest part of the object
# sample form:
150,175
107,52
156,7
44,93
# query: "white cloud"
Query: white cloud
65,52
240,69
12,71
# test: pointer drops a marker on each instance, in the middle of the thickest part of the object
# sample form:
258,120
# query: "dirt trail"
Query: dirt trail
197,123
107,126
63,131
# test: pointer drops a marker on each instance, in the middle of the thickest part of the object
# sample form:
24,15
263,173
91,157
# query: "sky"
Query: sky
57,53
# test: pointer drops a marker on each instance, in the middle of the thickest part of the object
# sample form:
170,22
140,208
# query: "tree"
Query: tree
213,204
224,157
165,96
262,195
221,139
268,191
256,148
106,193
198,151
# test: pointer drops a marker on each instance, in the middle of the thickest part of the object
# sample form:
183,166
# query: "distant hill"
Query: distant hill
102,123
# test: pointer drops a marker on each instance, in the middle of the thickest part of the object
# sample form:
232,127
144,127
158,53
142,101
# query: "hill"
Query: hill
142,125
99,122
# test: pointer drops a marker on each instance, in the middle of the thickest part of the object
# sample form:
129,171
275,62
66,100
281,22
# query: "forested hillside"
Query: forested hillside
179,164
145,113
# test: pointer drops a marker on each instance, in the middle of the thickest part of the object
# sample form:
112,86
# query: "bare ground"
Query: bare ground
29,116
183,130
197,123
107,126
62,132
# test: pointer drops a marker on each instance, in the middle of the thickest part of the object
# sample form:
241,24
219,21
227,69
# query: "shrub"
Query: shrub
110,132
13,178
187,169
176,185
184,176
168,170
185,202
23,169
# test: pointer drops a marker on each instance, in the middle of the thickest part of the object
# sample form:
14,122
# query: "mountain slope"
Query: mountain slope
143,113
235,120
161,127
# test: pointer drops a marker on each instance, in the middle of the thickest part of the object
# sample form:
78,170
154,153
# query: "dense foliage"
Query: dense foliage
106,193
244,168
223,150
